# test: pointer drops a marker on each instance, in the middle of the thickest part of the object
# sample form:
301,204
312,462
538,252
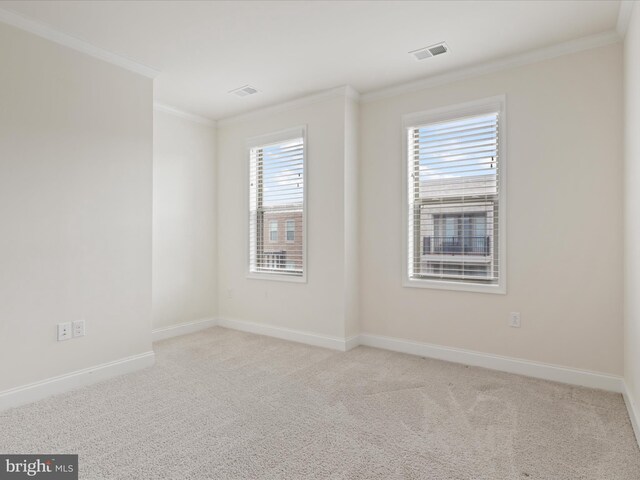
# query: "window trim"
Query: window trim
477,107
262,141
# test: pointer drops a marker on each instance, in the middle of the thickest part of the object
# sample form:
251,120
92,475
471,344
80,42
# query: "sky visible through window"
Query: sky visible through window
283,174
466,147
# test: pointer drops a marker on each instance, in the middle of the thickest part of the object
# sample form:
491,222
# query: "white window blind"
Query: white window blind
454,187
277,197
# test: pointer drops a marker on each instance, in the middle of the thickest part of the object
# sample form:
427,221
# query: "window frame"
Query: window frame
452,112
263,141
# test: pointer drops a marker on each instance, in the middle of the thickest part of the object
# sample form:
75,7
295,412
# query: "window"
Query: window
291,230
455,204
277,197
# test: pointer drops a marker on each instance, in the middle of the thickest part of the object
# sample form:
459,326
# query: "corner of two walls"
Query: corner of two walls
75,203
632,215
199,229
109,215
184,220
351,218
326,306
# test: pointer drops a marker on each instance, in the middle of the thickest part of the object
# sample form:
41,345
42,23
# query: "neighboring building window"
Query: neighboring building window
455,185
277,197
291,230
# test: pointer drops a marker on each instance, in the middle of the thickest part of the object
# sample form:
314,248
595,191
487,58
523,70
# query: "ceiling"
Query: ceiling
289,49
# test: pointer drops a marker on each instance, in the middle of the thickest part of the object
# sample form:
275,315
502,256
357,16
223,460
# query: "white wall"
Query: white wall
184,208
564,154
75,207
632,208
317,306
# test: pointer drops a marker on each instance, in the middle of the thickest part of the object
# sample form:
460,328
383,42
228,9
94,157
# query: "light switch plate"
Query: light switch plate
64,331
78,328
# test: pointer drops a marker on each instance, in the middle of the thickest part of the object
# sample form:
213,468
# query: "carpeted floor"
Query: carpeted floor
222,404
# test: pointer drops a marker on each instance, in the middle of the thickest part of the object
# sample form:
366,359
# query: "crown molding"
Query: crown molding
565,48
346,91
163,107
49,33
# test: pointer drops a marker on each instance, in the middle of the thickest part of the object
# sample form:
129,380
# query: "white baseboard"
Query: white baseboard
634,414
63,383
315,339
55,385
518,366
528,368
351,342
182,329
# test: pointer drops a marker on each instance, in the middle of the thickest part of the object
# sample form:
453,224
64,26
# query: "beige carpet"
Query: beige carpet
222,404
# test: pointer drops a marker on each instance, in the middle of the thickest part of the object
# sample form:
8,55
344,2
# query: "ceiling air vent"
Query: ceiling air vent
244,91
432,51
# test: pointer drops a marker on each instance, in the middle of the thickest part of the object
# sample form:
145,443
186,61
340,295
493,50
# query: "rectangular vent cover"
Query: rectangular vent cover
432,51
244,91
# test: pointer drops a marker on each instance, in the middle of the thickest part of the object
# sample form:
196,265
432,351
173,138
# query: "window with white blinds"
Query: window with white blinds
455,200
277,205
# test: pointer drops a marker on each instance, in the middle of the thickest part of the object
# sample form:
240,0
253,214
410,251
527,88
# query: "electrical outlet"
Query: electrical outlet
64,331
78,328
514,319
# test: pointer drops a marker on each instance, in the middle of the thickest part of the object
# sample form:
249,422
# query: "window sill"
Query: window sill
277,277
454,286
